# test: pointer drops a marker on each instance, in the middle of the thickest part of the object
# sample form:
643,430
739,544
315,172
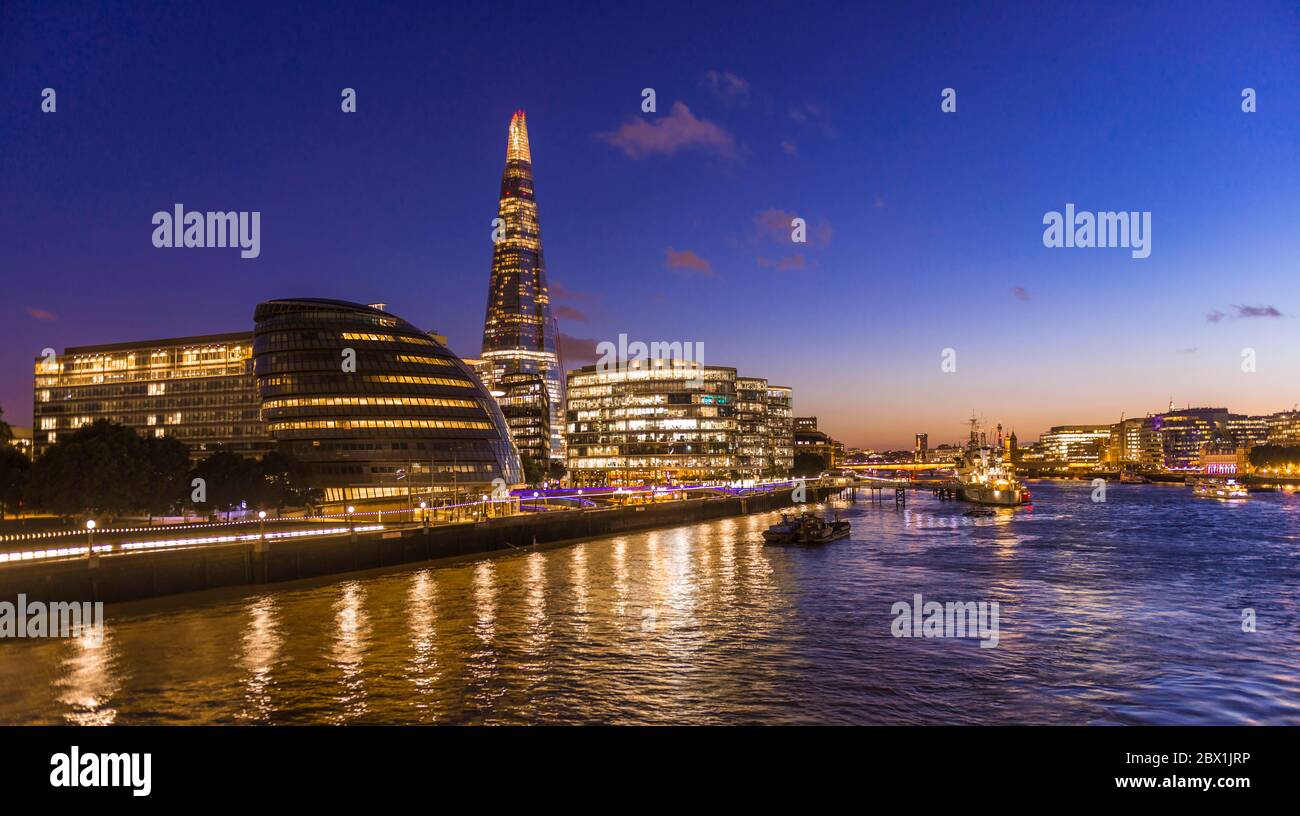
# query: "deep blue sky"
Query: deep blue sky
926,226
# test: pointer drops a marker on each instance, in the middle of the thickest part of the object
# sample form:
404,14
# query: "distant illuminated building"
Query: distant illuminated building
1184,433
519,331
199,390
1284,428
1075,445
808,439
922,448
1247,431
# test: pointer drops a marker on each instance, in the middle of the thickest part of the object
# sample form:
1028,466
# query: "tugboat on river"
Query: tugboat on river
805,529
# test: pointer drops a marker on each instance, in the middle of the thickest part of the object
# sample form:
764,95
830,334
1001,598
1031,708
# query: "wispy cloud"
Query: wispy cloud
1020,292
562,292
1240,312
775,225
1255,311
568,312
41,314
577,350
687,262
726,86
789,263
790,147
667,135
1188,350
813,115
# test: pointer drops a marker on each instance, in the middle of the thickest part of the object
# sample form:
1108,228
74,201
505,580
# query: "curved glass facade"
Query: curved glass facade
374,407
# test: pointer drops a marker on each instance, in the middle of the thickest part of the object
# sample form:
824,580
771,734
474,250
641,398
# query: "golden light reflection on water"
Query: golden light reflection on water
90,680
259,655
704,623
348,647
421,614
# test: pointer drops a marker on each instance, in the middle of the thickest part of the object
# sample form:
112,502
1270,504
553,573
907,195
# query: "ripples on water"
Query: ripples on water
1123,612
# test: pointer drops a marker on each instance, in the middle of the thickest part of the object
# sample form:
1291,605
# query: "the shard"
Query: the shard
519,333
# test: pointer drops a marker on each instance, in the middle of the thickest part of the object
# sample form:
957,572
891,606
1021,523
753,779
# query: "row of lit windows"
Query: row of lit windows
388,338
359,424
312,402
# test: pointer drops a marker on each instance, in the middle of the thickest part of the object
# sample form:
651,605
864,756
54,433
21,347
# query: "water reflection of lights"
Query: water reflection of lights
421,611
348,649
91,681
259,654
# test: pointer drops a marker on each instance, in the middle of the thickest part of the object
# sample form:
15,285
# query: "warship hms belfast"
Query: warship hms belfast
984,476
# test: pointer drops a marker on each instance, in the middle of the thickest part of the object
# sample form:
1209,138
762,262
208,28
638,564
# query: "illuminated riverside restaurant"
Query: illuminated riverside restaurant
375,408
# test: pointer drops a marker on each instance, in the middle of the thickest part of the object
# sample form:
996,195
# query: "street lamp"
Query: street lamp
424,515
261,524
351,530
90,538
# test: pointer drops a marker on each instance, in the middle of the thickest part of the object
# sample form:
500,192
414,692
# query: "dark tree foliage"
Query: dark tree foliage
532,470
808,464
13,474
168,463
100,470
284,483
228,481
1274,455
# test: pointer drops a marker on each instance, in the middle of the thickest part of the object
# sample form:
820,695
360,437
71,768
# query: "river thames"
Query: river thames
1127,611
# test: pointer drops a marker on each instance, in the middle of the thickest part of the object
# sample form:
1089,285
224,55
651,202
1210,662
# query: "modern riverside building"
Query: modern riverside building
373,407
1247,431
780,429
199,390
519,330
1284,428
1183,433
652,422
754,442
1075,445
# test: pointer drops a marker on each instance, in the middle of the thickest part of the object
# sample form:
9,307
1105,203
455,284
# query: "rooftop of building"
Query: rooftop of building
167,342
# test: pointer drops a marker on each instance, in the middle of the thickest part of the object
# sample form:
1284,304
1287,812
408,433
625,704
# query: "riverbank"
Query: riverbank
116,578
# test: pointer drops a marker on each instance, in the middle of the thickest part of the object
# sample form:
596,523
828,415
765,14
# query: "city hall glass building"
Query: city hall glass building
374,407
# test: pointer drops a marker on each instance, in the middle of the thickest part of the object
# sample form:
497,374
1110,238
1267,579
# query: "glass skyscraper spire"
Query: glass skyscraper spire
519,332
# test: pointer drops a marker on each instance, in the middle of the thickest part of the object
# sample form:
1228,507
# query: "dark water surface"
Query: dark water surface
1124,612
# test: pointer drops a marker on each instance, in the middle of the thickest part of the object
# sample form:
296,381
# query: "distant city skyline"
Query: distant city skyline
925,229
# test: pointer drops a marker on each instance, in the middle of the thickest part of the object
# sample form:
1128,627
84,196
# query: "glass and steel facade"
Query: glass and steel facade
651,422
374,407
519,331
780,429
654,421
200,390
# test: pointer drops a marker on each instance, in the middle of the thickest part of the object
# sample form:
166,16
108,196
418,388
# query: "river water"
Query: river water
1127,611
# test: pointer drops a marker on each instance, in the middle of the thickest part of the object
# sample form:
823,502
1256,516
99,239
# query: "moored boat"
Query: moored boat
1219,489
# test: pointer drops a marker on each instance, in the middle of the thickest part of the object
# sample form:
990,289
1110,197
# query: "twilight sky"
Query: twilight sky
925,228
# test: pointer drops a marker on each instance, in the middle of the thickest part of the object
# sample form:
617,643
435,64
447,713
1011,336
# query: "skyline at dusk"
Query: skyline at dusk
925,228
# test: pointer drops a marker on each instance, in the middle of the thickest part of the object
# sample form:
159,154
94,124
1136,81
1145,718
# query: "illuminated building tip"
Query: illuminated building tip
517,146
